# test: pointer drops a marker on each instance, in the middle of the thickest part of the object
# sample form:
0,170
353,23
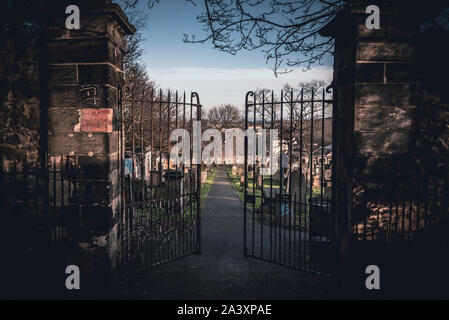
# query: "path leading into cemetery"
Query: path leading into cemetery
221,272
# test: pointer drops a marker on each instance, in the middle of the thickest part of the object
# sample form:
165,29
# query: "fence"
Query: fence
287,213
161,198
41,222
402,226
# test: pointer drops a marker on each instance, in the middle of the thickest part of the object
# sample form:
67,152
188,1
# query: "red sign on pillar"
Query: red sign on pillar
96,120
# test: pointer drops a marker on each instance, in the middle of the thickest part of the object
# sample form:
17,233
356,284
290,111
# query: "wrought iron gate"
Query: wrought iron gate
41,214
161,207
287,213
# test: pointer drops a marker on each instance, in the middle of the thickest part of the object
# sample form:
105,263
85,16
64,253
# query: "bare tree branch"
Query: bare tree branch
286,31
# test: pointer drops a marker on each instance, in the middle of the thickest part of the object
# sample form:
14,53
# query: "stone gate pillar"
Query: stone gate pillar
375,85
85,68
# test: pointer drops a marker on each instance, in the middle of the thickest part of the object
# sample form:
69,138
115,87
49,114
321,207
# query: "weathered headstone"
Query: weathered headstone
154,178
189,180
204,176
297,186
284,209
277,176
259,181
257,177
173,180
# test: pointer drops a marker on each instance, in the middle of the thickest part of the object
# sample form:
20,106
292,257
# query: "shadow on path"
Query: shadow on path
221,272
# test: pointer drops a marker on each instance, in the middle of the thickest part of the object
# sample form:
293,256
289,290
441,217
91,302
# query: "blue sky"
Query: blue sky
218,77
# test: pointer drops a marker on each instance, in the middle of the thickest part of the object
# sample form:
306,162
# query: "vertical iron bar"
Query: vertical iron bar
183,172
198,192
290,180
120,170
159,193
403,196
54,216
192,188
311,173
271,184
301,146
178,210
245,181
262,152
412,196
133,177
152,233
281,178
142,180
322,166
168,215
254,174
418,195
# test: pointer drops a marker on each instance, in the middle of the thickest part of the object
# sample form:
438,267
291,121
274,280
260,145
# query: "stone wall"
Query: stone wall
392,100
385,100
85,70
71,77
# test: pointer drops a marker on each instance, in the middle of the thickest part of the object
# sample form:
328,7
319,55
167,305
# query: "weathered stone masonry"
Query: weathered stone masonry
85,70
390,92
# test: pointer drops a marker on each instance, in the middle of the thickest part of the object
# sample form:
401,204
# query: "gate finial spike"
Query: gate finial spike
330,87
196,95
249,93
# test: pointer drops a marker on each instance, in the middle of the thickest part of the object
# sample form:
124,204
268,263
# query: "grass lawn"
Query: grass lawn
164,221
235,182
157,213
206,186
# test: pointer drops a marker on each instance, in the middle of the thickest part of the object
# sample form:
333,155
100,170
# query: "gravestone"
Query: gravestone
277,176
154,178
258,177
189,180
204,176
259,181
173,180
297,186
284,209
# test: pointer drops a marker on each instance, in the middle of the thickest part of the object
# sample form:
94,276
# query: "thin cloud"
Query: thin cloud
218,86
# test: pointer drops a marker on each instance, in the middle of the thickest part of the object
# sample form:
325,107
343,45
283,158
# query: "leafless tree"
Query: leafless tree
286,31
296,115
224,117
307,92
272,102
137,78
